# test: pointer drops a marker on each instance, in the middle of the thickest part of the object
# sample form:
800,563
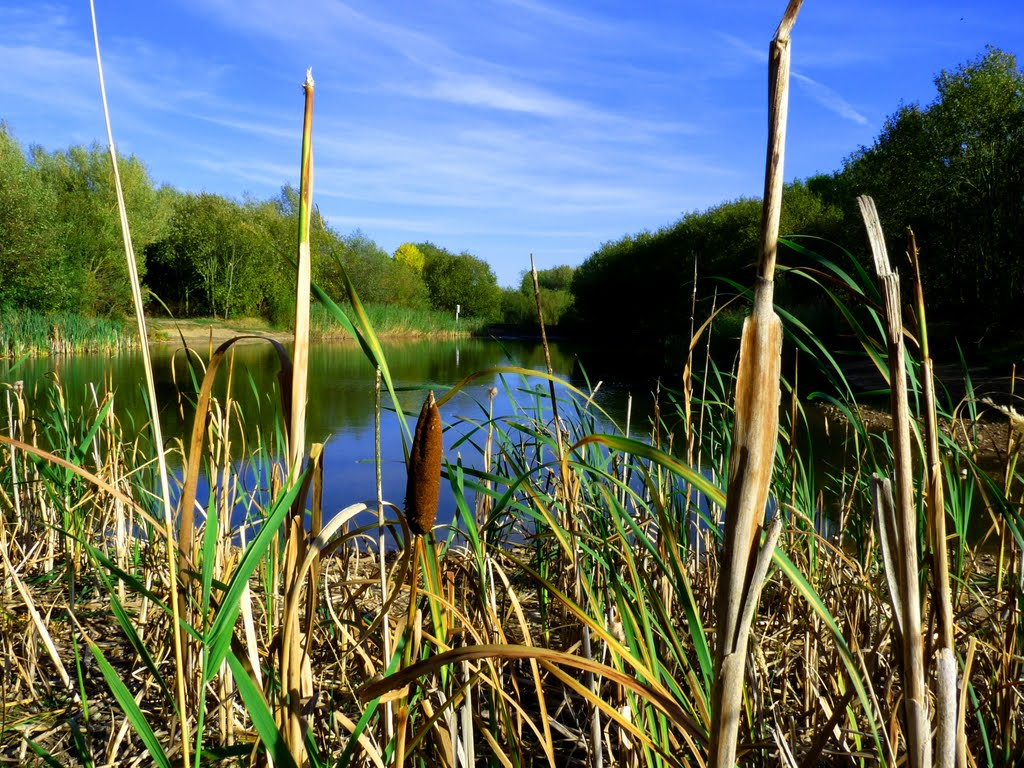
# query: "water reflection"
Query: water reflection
341,397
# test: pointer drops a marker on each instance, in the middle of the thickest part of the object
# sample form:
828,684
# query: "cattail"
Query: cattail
424,483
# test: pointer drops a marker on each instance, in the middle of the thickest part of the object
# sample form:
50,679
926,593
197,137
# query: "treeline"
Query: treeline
199,254
953,170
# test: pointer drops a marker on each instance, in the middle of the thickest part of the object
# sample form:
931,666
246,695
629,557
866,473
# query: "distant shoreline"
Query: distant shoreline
203,332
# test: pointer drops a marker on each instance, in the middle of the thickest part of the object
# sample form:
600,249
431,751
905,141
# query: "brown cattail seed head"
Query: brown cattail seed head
424,483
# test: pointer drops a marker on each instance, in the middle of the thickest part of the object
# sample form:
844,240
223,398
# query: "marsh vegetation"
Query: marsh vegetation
606,593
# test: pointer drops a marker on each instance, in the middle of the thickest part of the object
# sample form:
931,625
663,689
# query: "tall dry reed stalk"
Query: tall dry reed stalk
755,431
158,440
296,677
950,744
899,515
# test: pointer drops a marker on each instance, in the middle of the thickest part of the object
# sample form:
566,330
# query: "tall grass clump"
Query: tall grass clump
609,535
392,320
30,332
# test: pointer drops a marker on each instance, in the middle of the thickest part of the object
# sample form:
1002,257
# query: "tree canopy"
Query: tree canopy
519,306
460,280
953,171
411,256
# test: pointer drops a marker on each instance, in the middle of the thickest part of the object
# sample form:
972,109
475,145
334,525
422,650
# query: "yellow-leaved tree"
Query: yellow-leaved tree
411,256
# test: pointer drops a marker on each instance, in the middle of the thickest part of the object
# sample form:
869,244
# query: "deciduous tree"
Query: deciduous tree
460,280
86,228
953,170
210,262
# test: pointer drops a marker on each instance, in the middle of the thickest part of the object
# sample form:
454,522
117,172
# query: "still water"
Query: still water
341,399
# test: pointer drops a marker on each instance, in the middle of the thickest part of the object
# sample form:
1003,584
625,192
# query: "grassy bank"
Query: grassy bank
27,332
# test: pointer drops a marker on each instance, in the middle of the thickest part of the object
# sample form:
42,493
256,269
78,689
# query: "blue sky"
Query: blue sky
500,127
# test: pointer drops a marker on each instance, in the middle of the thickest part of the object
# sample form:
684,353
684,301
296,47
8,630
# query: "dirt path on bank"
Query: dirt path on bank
200,334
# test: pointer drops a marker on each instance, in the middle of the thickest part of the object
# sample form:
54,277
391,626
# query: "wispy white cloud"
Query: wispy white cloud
471,90
49,76
576,22
743,48
254,171
830,99
818,91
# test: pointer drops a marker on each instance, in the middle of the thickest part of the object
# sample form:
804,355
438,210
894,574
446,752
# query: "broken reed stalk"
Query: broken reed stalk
296,681
949,751
300,356
755,431
904,524
154,415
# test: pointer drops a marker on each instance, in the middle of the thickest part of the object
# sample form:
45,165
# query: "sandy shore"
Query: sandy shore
202,333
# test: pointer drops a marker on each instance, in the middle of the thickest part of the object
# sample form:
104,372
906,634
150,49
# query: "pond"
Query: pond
341,399
341,403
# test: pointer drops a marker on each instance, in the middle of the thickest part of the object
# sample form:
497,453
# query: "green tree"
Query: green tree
460,280
376,276
519,306
211,261
33,273
555,279
87,230
653,273
954,171
275,223
411,256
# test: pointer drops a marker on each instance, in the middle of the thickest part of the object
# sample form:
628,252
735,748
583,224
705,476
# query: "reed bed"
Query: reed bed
588,605
610,535
390,320
26,332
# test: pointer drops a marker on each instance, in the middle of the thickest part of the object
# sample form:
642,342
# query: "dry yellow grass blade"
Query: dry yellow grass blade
651,692
103,485
154,406
40,625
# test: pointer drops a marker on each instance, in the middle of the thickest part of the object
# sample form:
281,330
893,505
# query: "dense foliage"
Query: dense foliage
460,281
60,239
200,254
653,273
519,305
954,171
